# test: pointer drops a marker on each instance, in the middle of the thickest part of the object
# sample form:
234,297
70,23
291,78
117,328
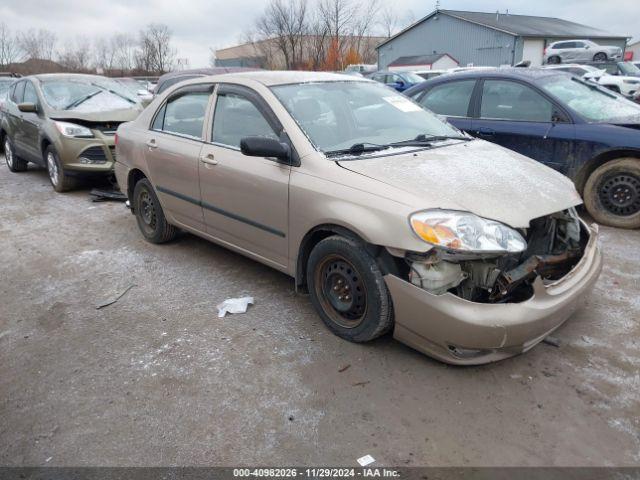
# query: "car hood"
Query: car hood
121,115
474,176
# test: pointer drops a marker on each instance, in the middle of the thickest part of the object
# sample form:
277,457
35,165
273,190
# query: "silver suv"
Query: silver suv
580,51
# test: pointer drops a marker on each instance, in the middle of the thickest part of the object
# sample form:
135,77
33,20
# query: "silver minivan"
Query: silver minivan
572,51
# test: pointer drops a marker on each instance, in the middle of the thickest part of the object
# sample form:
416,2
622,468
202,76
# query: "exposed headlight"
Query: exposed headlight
72,130
466,232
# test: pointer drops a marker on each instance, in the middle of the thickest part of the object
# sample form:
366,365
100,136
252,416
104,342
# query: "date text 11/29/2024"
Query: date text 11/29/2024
309,472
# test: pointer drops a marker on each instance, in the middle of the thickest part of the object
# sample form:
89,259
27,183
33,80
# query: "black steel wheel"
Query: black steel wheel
612,193
149,214
348,290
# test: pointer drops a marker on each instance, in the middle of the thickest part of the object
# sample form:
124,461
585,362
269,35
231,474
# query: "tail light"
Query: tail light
544,52
115,139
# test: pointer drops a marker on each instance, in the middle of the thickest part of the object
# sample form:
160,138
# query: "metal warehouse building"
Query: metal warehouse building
490,39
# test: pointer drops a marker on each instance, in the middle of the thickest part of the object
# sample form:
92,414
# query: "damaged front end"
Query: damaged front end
554,245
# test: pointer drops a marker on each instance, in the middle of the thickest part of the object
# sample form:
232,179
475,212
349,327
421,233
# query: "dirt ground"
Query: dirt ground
158,379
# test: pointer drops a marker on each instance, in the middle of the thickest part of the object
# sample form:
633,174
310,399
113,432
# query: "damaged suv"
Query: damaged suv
391,219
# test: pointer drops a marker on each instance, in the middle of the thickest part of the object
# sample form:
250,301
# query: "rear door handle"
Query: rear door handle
152,143
208,159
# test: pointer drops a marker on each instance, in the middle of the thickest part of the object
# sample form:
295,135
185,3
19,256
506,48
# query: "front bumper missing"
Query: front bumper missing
461,332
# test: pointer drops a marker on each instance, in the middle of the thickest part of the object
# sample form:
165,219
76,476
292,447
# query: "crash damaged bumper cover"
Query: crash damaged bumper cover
461,332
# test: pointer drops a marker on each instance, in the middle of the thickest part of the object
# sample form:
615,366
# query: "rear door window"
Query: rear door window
506,100
450,99
183,115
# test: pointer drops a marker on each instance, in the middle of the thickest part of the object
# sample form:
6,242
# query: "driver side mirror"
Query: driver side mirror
28,107
587,47
265,147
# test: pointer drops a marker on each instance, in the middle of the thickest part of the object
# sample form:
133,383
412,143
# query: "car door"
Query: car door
172,153
518,117
565,51
245,199
581,52
452,100
31,123
14,117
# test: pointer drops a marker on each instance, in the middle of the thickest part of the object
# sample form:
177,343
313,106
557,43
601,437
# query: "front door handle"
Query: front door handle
486,132
208,159
152,143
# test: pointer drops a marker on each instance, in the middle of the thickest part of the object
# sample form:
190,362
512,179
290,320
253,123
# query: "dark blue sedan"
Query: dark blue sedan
401,81
590,134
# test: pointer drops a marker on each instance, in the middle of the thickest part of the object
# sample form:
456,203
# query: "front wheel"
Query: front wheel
348,291
612,193
600,57
15,163
57,175
149,214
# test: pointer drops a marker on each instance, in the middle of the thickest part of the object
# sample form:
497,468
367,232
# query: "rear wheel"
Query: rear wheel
612,193
57,175
554,60
348,291
15,163
600,57
150,216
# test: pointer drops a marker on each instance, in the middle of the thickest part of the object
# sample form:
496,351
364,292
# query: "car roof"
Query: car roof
274,77
512,72
65,76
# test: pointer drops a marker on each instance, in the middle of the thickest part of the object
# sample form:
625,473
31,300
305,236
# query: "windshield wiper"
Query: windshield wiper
115,93
80,100
594,86
423,139
358,149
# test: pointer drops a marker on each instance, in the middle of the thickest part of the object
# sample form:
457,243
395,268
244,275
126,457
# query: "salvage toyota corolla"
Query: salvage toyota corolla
391,219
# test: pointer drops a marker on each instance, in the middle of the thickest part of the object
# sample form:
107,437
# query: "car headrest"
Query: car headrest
307,109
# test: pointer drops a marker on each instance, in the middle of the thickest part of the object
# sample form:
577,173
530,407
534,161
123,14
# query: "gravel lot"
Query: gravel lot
158,379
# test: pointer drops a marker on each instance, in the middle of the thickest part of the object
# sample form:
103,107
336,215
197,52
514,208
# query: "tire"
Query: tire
150,216
554,60
600,57
15,163
612,193
348,291
59,179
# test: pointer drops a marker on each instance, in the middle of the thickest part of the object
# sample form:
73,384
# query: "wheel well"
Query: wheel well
44,144
135,176
589,167
386,262
2,134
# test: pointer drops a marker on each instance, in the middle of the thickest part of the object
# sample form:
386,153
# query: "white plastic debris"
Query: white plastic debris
234,305
366,460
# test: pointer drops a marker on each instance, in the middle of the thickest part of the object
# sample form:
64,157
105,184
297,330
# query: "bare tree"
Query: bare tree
389,21
156,53
104,52
284,22
38,44
76,55
124,47
9,50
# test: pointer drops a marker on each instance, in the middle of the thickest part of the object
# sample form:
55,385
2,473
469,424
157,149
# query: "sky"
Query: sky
199,25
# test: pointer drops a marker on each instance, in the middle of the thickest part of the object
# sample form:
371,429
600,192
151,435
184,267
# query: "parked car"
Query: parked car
363,68
572,51
169,79
400,81
136,87
625,85
580,129
391,218
66,123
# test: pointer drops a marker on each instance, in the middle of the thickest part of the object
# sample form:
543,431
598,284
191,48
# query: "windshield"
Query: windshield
589,100
87,95
338,115
412,77
629,68
131,84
